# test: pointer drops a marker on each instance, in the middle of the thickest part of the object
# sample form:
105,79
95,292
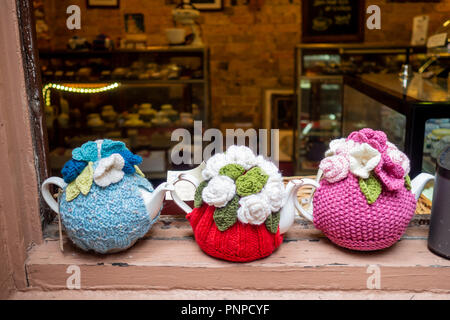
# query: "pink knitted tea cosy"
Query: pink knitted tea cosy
364,200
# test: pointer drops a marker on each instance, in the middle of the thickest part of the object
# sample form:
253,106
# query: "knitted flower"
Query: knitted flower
363,159
213,165
254,209
72,169
376,139
241,155
243,187
335,168
398,157
275,194
219,191
109,170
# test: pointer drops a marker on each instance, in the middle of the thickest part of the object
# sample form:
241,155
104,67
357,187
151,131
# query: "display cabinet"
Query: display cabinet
136,96
414,113
320,69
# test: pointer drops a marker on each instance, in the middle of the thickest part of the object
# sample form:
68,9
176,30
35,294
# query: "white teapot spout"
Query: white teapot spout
287,212
154,200
419,182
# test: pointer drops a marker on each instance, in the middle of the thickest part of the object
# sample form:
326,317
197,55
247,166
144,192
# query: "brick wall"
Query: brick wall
249,50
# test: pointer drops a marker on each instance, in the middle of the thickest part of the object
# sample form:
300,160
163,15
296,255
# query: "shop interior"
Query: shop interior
137,70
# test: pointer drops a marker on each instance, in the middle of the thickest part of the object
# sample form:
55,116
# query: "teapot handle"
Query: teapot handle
183,177
307,213
46,194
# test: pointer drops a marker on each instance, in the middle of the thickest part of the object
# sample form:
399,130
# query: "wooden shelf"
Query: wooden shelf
169,259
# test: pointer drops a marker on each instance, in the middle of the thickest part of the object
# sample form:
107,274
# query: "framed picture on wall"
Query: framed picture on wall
208,5
333,21
103,4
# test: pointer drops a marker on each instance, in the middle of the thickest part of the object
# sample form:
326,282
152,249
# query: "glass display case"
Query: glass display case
136,96
319,89
414,113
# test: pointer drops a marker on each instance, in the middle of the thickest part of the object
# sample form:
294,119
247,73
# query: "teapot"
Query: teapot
366,198
241,206
106,203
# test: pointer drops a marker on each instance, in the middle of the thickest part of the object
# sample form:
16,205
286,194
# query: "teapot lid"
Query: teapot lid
443,163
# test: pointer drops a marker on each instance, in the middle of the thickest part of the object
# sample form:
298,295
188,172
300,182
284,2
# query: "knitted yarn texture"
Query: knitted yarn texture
364,200
236,214
102,208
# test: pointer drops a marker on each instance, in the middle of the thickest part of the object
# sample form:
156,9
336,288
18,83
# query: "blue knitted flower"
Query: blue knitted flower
109,147
131,160
72,169
87,152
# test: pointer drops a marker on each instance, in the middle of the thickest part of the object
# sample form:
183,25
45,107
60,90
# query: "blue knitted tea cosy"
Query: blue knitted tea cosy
102,208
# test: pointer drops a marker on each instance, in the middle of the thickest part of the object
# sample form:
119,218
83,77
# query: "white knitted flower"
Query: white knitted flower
213,165
109,170
219,191
254,209
363,159
269,168
340,146
275,193
241,155
398,157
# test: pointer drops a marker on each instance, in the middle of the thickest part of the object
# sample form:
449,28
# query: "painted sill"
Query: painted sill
168,258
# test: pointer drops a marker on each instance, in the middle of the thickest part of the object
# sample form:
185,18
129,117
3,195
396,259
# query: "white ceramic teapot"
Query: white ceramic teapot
242,206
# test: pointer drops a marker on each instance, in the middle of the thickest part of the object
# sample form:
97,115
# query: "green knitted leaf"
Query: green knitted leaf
198,201
232,170
252,182
227,216
371,188
407,182
272,222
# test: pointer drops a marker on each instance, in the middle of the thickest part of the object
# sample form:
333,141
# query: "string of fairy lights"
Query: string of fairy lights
83,90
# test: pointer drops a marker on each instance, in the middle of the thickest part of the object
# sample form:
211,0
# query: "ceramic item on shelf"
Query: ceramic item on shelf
366,199
109,114
119,73
84,73
94,120
106,203
242,206
173,71
134,121
175,35
161,119
439,233
146,113
168,110
186,119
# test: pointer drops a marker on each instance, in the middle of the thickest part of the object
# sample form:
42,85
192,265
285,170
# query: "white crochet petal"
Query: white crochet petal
254,209
219,191
363,159
269,168
275,193
241,155
213,165
334,145
109,170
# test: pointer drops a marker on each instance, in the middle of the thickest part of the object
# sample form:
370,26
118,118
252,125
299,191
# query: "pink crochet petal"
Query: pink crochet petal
390,174
376,139
335,168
